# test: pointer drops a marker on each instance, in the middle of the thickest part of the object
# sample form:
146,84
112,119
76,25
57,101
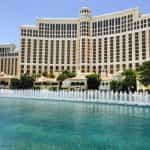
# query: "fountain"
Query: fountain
110,97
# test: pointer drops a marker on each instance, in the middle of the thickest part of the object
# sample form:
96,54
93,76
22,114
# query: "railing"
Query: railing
108,97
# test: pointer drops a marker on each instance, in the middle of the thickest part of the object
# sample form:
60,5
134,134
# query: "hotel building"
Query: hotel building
107,43
9,60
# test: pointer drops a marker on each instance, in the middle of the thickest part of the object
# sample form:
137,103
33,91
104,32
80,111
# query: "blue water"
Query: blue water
43,125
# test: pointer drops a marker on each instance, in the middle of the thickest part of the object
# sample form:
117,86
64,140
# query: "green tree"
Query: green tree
93,81
116,85
34,76
15,83
69,74
26,81
45,74
51,75
65,75
144,73
129,80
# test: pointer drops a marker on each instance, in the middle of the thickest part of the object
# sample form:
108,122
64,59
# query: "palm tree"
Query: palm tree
129,80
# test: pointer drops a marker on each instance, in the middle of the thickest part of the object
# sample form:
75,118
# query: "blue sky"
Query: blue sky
14,13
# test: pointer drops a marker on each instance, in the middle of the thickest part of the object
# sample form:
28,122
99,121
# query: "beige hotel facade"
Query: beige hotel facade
104,44
9,59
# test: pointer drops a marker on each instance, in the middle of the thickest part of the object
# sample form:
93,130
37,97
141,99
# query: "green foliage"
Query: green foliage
65,75
69,74
129,81
116,85
51,75
45,74
25,82
93,81
144,73
62,77
15,83
34,76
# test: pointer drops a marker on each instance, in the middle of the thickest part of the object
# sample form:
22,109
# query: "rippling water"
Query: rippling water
43,125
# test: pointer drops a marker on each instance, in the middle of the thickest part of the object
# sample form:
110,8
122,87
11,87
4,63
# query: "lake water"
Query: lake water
45,125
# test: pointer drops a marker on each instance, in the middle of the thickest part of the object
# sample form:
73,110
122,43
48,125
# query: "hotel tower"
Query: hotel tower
107,43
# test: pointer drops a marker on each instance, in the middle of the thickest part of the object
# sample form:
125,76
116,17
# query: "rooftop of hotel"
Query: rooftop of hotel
133,10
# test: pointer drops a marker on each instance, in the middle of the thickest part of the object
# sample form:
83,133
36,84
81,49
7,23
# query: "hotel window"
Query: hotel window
123,23
40,51
34,70
74,52
40,69
112,26
89,51
12,69
145,23
73,68
124,48
5,64
57,52
136,46
84,28
130,66
16,63
57,30
94,51
74,30
88,68
68,30
118,48
105,69
28,50
9,65
99,69
62,68
130,46
124,66
45,69
23,32
51,68
28,69
105,50
94,68
117,23
2,63
35,33
51,52
62,51
82,68
68,67
46,51
143,45
34,50
68,51
111,69
99,50
22,50
99,28
112,49
29,32
83,51
118,67
130,22
22,69
148,22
